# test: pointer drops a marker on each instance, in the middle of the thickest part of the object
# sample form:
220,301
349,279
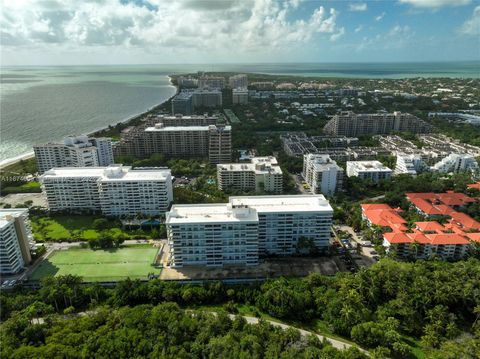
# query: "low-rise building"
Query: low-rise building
241,231
322,174
115,190
374,171
15,240
79,151
262,174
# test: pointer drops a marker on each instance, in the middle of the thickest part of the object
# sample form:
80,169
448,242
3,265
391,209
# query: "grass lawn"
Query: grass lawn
74,227
100,265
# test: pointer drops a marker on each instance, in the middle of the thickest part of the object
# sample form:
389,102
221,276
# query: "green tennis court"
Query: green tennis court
100,265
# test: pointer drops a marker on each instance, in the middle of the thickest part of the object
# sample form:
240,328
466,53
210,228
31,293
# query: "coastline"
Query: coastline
11,161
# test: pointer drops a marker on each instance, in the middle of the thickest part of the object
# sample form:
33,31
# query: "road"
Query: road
338,344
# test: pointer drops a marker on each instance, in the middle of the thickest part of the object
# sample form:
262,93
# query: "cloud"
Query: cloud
358,29
381,16
162,25
357,7
472,26
396,38
435,4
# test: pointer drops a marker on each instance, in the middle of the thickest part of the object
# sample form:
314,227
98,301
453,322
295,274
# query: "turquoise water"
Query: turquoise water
44,104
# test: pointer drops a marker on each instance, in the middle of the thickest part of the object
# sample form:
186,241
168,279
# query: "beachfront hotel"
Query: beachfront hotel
15,240
244,229
185,141
79,151
115,190
262,174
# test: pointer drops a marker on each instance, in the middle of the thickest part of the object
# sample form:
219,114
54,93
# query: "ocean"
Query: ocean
45,104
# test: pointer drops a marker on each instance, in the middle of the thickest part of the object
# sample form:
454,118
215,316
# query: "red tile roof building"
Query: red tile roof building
449,241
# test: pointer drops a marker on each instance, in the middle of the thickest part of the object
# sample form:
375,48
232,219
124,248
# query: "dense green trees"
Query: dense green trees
378,307
162,331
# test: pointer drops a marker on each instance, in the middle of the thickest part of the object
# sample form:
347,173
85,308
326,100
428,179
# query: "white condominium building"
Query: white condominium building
368,170
212,82
456,162
261,174
322,174
15,240
409,164
79,151
247,227
115,190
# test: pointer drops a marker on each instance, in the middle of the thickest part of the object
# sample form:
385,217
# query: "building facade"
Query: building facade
15,240
456,163
238,81
352,124
211,82
322,174
241,231
239,96
410,164
79,151
115,190
368,170
262,174
182,103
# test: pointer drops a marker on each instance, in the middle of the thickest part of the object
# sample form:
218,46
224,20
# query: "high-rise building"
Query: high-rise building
115,190
241,231
79,151
456,162
262,174
352,124
211,82
206,97
212,141
239,96
238,81
182,103
322,174
368,170
15,240
178,120
187,82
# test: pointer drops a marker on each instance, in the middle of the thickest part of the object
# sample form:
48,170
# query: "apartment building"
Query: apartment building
115,190
239,96
322,174
210,98
409,164
374,171
456,163
212,82
241,231
15,240
79,151
262,174
351,124
179,120
212,141
182,103
238,81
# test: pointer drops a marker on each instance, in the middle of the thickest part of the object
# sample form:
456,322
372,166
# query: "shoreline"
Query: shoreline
11,161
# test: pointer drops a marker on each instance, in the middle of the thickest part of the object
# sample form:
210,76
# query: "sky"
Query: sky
83,32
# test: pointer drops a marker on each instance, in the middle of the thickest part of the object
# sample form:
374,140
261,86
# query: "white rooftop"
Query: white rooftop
284,203
110,173
259,165
160,128
216,212
6,215
367,166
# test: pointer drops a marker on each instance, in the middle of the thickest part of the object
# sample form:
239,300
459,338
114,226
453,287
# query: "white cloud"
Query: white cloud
358,28
357,7
435,4
472,25
163,25
380,17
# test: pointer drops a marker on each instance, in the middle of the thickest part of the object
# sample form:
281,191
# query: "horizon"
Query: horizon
147,32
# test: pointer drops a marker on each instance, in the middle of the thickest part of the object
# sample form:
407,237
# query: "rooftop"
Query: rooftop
160,128
258,165
7,215
216,212
368,166
284,203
